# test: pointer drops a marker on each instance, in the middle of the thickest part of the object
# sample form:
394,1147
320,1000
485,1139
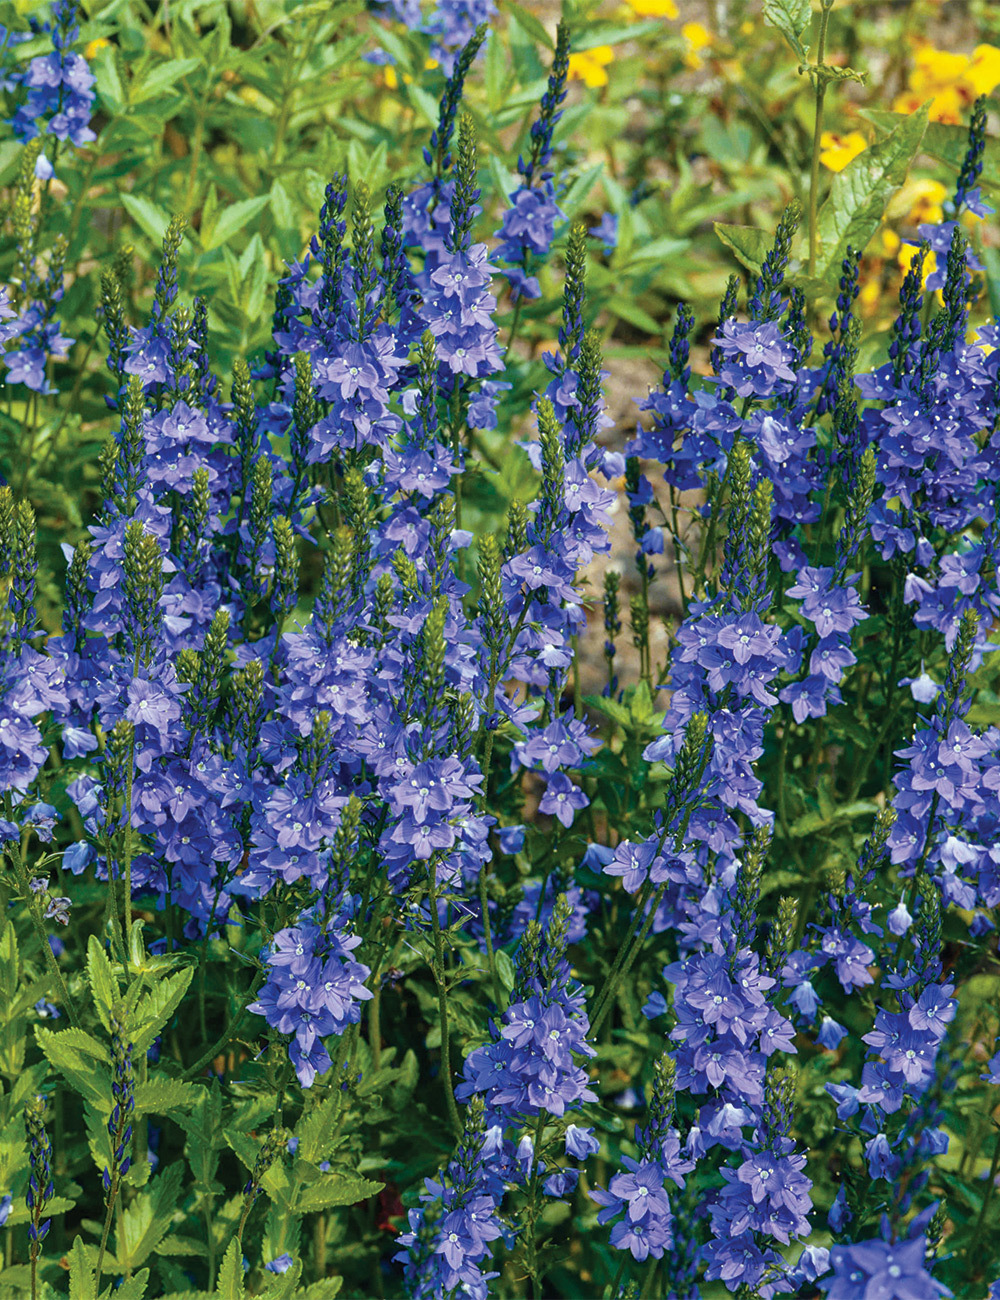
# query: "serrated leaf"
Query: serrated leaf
103,984
749,244
147,1219
160,79
860,193
159,1095
132,1289
148,216
231,221
791,18
156,1008
82,1061
229,1285
282,1286
82,1264
333,1190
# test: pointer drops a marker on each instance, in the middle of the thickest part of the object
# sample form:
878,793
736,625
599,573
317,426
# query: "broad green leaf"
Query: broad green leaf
156,1008
109,85
230,1281
333,1190
749,244
82,1263
148,216
82,1060
791,18
947,143
103,984
148,1217
531,25
860,193
160,78
231,221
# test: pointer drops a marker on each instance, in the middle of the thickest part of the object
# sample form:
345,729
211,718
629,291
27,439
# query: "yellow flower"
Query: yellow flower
927,197
950,81
391,76
91,48
588,66
698,38
838,150
890,241
653,8
984,70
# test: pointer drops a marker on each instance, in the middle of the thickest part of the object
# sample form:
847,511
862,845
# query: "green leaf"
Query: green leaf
230,1283
82,1263
947,143
204,1139
133,1289
160,78
109,86
156,1008
147,215
860,193
577,193
160,1095
82,1060
147,1219
531,25
103,983
335,1189
749,244
282,1286
232,220
9,967
791,18
505,970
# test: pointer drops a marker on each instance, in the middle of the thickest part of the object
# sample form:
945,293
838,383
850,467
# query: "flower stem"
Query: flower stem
824,21
449,1091
113,1197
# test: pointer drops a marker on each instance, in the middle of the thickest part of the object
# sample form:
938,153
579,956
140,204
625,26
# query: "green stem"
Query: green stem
449,1091
104,1236
629,961
532,1213
208,1057
50,958
619,1274
824,21
987,1198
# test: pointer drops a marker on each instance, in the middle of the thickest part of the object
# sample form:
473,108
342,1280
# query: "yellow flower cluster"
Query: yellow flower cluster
590,66
950,81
